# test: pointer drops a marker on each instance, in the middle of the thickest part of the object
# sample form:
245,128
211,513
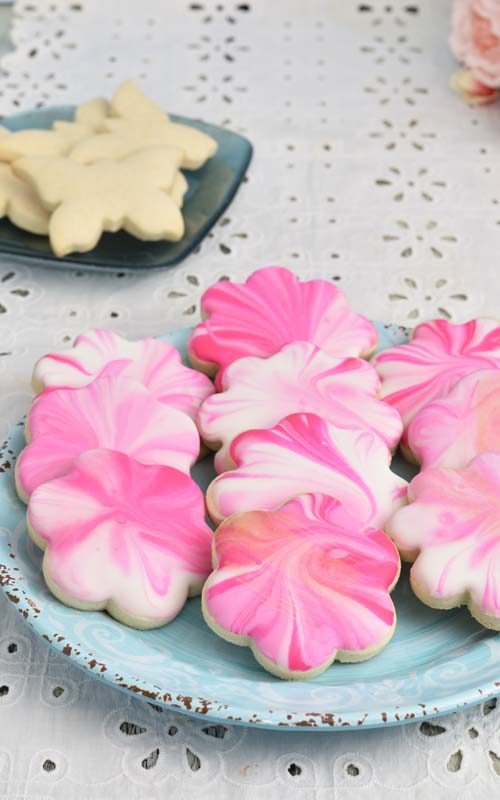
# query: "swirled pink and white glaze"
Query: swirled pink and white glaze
439,354
113,412
271,309
155,364
452,430
303,453
451,530
302,585
123,536
258,393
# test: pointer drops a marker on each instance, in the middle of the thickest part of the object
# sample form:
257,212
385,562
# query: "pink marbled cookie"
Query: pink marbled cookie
302,586
439,354
122,536
451,431
451,531
301,454
258,393
113,412
154,363
271,309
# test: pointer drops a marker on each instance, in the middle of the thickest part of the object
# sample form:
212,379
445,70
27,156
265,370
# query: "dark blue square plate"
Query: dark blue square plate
210,191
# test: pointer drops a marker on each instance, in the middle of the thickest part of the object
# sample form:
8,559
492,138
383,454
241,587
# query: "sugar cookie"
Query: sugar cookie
303,585
155,364
258,393
439,354
37,142
106,196
93,112
452,430
451,531
20,204
112,412
130,102
303,453
122,536
273,308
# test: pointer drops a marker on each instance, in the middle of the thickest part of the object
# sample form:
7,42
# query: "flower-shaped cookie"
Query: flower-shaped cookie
258,393
122,536
302,586
112,412
20,204
452,430
439,354
131,193
301,454
155,364
271,309
451,530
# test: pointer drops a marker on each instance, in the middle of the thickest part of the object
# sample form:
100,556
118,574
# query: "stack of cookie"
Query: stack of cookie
105,474
302,570
115,167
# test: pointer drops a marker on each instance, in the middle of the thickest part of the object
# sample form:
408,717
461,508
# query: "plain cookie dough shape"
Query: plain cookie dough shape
18,202
99,353
125,136
178,189
303,585
129,101
122,536
451,531
259,392
112,412
48,143
301,454
106,196
93,112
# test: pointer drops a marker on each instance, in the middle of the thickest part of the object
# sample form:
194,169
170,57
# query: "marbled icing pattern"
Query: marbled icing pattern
113,412
301,454
154,363
452,430
302,585
451,529
271,309
439,354
123,536
258,393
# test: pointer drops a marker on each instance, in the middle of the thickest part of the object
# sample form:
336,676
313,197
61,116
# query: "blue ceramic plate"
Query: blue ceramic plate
210,191
437,661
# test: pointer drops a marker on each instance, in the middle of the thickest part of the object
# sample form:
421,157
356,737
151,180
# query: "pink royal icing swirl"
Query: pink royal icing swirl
99,353
112,412
258,393
451,530
302,585
123,536
303,453
439,354
452,430
271,309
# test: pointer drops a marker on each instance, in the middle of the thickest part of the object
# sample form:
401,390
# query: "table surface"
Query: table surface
367,171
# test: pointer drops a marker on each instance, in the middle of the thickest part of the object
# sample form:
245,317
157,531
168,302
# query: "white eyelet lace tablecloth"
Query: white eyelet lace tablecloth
367,171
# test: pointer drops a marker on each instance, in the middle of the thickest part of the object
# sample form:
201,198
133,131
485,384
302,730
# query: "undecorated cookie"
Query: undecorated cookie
122,536
107,196
48,143
129,101
112,412
451,531
303,585
19,202
155,364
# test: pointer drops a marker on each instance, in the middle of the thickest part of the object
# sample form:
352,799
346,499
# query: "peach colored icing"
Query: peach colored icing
112,412
154,363
303,453
123,535
302,584
258,393
439,354
452,529
271,309
450,431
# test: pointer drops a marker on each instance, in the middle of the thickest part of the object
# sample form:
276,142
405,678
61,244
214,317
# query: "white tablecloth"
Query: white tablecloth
367,170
